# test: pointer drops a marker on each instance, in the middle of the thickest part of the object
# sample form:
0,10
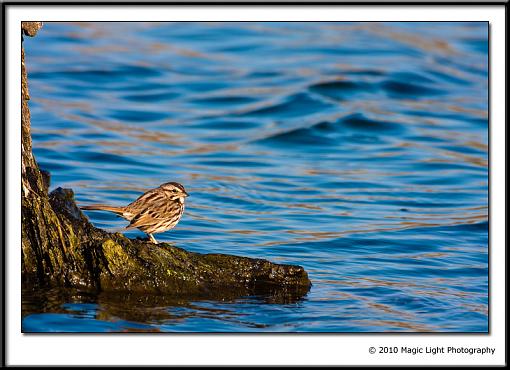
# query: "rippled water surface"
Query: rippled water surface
357,150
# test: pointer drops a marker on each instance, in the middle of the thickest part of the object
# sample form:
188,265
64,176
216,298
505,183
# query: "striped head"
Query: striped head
174,191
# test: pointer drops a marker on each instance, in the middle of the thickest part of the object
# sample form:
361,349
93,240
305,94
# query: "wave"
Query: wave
327,133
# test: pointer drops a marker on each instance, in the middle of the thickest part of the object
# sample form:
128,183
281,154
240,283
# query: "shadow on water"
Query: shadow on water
71,310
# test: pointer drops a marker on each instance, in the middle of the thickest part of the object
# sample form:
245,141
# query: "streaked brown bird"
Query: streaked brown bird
155,211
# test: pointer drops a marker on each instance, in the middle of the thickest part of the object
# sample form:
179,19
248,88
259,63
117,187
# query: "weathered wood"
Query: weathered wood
60,247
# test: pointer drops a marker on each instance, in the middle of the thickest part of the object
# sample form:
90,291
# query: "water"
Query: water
357,150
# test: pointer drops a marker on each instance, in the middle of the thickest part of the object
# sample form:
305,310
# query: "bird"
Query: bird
155,211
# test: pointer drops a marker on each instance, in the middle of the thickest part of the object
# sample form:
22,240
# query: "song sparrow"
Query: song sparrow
155,211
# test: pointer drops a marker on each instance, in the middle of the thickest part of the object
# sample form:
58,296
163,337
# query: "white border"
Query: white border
261,349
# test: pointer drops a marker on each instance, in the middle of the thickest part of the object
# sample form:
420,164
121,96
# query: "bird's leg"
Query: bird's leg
152,238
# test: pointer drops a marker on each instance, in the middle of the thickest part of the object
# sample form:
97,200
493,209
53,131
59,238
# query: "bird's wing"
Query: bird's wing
149,214
141,219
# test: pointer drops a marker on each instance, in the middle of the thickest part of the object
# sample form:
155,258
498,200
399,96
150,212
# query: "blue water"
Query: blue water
357,150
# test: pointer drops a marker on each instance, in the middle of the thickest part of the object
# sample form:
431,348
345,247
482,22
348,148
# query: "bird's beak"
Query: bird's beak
186,194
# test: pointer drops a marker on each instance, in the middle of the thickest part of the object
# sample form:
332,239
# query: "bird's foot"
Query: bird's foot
153,239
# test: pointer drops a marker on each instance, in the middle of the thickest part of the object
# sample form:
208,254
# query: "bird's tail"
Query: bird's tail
102,207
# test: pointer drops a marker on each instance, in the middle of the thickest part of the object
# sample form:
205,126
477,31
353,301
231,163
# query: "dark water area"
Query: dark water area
356,150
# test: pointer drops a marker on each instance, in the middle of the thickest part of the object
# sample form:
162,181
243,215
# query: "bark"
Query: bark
61,248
